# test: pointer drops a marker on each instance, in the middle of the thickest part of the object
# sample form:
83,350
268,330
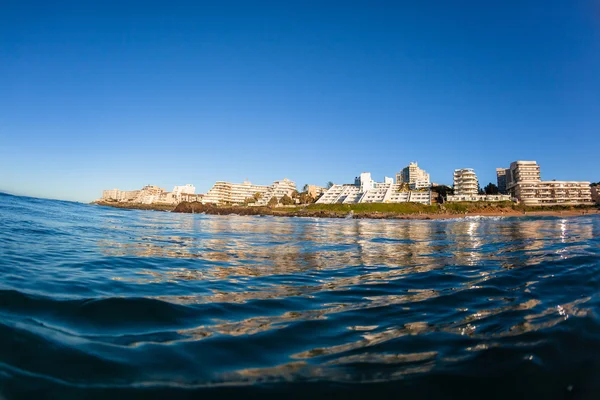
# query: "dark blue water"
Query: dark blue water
105,303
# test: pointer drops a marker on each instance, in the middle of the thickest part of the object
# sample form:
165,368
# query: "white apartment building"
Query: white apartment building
365,190
523,181
150,194
416,177
466,188
120,195
188,189
465,182
237,193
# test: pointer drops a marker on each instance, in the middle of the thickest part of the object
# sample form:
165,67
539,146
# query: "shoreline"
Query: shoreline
431,212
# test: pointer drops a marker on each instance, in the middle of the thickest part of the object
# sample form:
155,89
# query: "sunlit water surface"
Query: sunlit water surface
98,302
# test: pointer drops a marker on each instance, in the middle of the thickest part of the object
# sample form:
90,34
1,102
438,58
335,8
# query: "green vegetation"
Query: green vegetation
273,202
137,206
286,200
468,206
396,208
491,189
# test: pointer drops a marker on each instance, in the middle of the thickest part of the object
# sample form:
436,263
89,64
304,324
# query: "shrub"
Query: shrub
286,200
273,202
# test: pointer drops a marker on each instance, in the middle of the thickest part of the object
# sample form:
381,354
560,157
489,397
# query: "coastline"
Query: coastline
372,211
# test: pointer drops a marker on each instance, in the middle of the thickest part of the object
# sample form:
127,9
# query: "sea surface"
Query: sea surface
105,303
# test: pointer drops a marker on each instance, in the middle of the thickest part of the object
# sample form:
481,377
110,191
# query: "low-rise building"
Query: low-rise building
365,190
151,194
478,197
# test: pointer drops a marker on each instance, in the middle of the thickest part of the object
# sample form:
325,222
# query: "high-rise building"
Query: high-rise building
501,179
523,182
416,177
465,182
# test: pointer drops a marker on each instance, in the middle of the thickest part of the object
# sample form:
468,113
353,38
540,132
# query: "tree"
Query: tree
257,196
295,194
306,198
305,188
249,200
479,189
273,202
286,200
491,189
329,185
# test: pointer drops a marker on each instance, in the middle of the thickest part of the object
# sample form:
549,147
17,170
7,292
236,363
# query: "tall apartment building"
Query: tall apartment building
237,193
465,182
595,190
366,190
523,181
501,180
466,188
416,177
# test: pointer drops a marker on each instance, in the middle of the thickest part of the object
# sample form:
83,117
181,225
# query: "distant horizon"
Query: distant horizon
99,95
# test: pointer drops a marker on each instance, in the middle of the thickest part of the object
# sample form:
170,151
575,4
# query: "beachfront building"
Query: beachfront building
119,195
595,191
315,191
238,193
465,182
366,190
501,180
188,189
523,181
414,176
151,194
466,188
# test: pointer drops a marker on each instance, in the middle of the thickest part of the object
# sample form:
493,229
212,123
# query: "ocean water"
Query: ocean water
98,302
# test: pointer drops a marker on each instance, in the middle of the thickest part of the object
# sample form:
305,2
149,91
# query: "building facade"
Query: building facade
315,191
188,189
465,182
238,193
151,194
501,180
366,190
414,176
595,191
523,181
478,197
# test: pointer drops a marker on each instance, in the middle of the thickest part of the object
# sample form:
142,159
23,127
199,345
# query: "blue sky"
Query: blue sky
105,94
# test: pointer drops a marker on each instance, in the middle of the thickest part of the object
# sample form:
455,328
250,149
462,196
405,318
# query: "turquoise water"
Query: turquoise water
98,302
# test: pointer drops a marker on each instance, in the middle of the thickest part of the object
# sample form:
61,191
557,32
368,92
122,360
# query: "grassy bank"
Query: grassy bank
137,206
363,210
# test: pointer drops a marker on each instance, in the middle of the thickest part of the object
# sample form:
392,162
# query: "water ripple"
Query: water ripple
99,302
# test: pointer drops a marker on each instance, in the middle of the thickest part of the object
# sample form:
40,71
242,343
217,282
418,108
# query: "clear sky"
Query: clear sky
119,94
